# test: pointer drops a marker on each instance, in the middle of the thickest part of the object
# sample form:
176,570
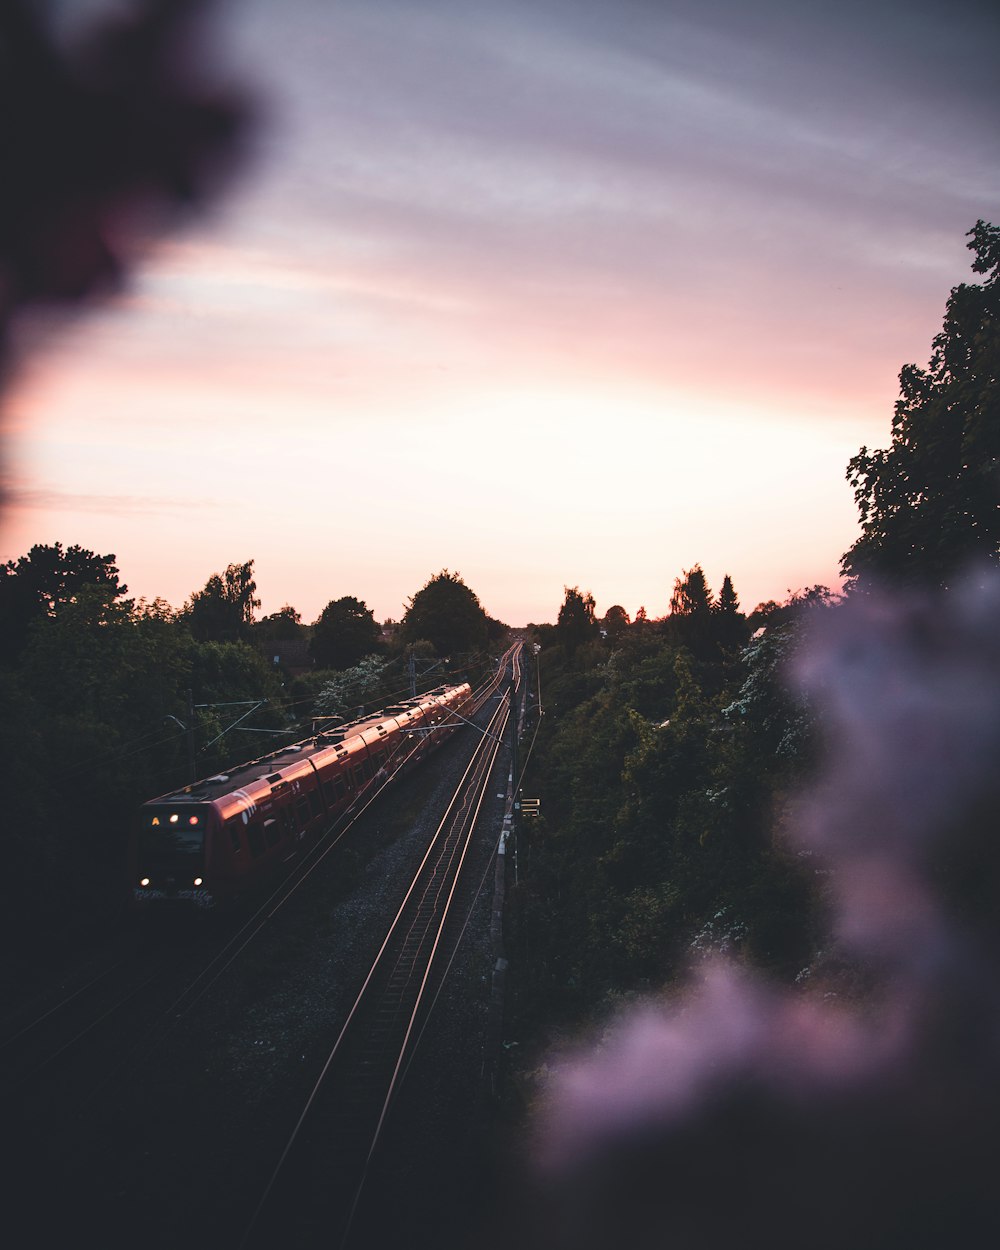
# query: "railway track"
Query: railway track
316,1194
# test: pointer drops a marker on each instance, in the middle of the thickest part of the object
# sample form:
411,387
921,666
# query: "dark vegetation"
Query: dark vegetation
666,760
673,752
110,701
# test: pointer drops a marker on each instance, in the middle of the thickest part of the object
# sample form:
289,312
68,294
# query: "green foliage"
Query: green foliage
354,688
930,503
702,624
223,611
614,623
660,775
576,623
281,626
88,740
226,679
448,614
345,632
43,583
777,727
97,701
692,598
729,623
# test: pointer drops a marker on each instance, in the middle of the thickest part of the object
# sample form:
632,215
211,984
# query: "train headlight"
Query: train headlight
199,880
144,882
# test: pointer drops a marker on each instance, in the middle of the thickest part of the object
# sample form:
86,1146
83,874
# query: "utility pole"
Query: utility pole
412,667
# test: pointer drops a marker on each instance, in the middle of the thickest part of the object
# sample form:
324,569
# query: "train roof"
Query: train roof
292,760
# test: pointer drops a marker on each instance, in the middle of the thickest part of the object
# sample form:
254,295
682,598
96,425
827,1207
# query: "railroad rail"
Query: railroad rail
316,1190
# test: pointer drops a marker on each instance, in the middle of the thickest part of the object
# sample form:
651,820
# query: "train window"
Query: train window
359,777
315,803
287,822
173,833
256,840
272,832
302,810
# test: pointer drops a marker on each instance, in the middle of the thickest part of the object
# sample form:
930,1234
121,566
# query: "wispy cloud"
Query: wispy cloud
21,499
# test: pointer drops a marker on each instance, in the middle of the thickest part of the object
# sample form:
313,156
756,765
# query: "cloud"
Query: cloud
23,499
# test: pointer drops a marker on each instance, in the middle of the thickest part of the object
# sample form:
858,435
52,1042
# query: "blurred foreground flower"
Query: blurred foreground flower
101,140
753,1114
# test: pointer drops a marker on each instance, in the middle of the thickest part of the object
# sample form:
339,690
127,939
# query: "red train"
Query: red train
222,838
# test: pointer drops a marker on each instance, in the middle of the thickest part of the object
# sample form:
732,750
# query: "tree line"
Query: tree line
111,700
672,751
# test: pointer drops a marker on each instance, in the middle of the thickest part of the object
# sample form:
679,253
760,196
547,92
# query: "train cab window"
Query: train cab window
234,836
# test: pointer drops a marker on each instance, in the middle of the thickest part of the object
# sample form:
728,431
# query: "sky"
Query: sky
548,293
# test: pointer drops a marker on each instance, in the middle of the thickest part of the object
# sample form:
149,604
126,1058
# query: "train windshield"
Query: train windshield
171,836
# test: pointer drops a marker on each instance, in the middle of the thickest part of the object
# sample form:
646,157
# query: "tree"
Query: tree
690,620
691,596
223,611
279,626
930,503
576,622
448,614
729,623
496,630
352,689
344,634
42,583
615,622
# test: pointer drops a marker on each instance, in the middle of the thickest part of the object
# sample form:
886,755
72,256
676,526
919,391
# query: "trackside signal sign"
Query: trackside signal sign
529,807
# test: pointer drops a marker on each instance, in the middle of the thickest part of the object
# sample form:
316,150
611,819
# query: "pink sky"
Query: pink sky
548,294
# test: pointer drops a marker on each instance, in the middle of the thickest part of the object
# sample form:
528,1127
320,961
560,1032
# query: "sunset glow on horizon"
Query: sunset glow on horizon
549,295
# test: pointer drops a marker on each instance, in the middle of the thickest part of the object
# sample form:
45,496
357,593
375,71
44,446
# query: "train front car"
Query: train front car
170,852
223,838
